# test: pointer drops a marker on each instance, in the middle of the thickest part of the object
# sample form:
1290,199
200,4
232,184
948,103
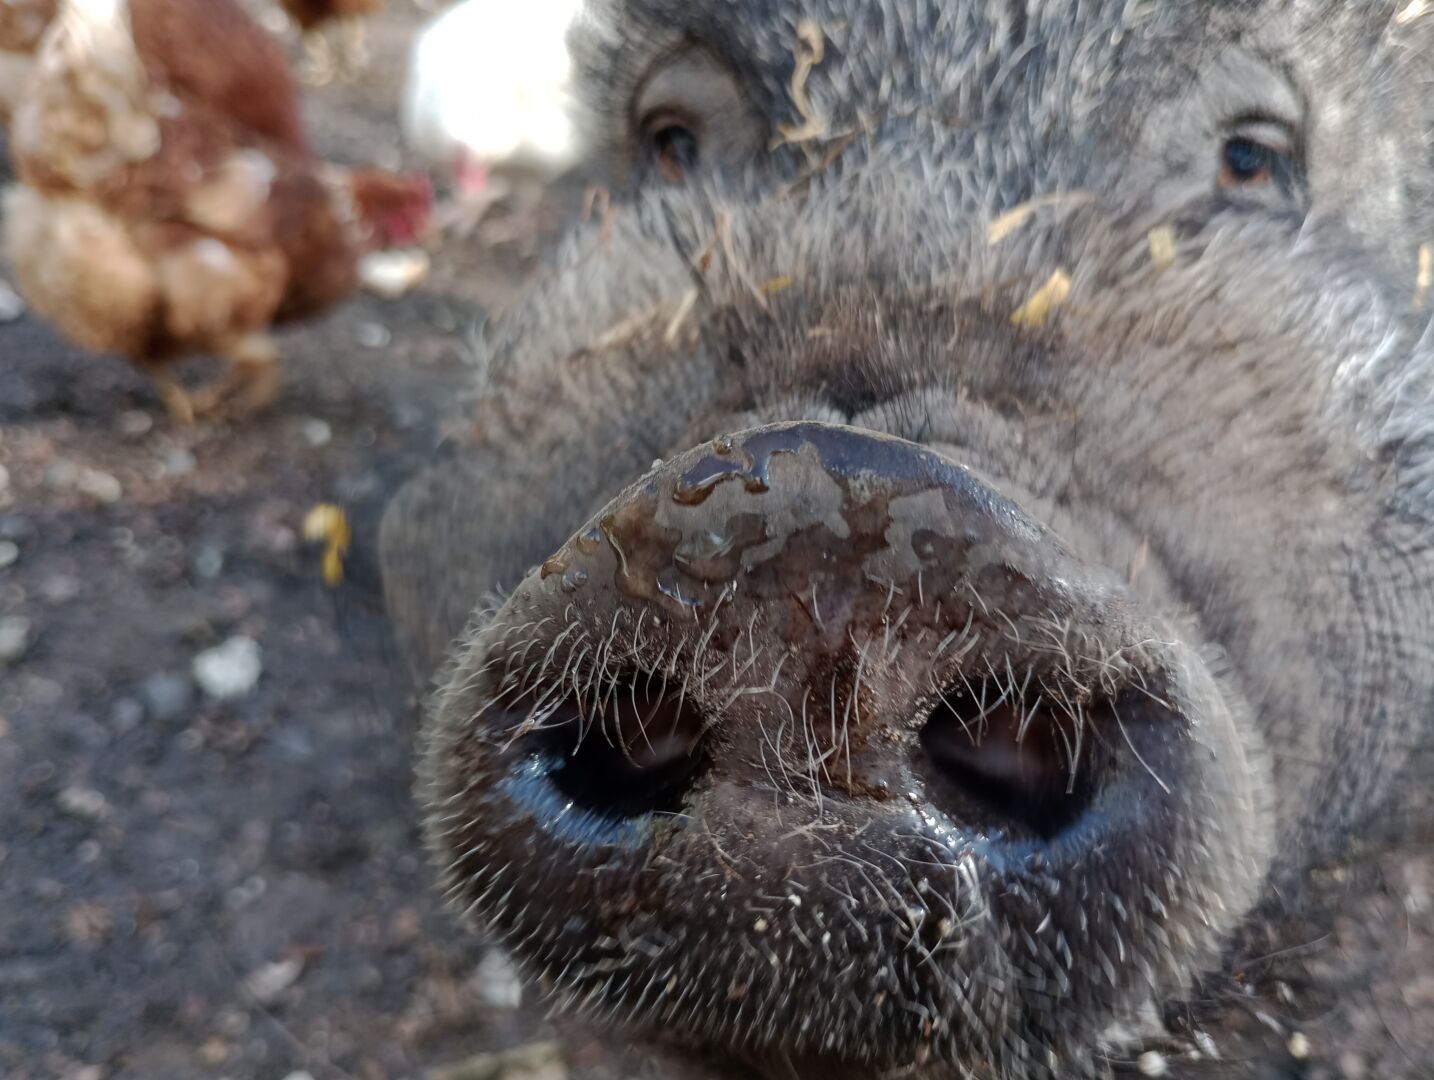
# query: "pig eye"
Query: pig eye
689,113
1258,155
671,145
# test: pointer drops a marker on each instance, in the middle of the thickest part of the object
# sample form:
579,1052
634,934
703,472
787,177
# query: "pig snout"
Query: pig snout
811,728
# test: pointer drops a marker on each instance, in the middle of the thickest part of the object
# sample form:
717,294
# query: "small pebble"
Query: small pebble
135,422
177,461
1351,1066
167,696
214,1051
372,335
234,1023
62,475
271,980
82,802
12,305
497,981
14,638
316,432
1151,1063
209,562
1299,1046
9,553
230,670
99,485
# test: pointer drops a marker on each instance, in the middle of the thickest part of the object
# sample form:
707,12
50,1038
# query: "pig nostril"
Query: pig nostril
635,753
1005,764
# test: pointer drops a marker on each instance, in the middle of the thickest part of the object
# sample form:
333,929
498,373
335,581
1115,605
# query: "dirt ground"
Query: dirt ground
194,887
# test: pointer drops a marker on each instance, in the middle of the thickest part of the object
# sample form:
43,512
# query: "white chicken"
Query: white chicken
490,91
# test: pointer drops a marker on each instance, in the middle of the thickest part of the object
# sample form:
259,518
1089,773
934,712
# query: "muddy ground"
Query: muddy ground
192,887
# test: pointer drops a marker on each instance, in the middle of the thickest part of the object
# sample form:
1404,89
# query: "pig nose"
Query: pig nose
774,609
806,670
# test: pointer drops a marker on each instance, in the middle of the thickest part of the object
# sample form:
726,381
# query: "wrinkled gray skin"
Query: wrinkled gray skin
1099,726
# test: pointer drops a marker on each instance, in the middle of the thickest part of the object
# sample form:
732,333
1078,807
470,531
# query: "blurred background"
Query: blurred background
209,860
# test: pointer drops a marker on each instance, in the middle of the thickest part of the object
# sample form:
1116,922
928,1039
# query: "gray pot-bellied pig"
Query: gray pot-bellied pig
967,528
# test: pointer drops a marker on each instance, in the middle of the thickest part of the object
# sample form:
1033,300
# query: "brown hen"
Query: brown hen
169,202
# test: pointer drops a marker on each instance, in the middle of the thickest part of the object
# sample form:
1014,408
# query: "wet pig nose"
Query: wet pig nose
797,605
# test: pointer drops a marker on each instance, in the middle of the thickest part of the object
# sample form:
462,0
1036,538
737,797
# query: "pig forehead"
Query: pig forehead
885,49
886,53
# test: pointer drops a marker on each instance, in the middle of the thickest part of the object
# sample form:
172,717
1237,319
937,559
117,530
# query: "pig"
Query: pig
939,584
